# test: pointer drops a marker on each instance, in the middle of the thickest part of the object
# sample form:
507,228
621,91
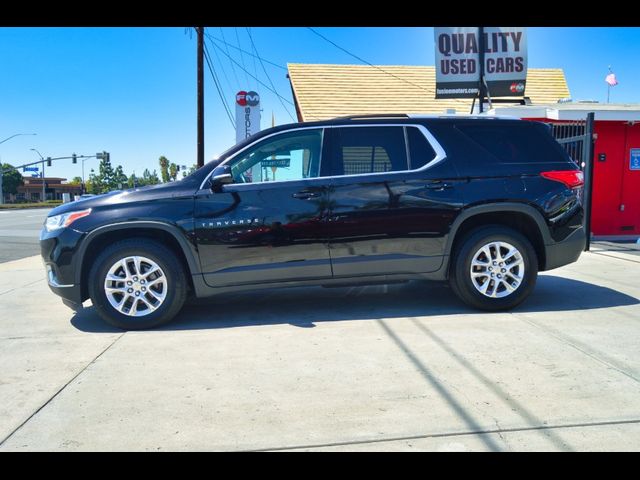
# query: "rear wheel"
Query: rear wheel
136,284
494,268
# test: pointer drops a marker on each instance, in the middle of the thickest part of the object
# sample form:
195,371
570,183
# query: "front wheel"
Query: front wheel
136,284
494,268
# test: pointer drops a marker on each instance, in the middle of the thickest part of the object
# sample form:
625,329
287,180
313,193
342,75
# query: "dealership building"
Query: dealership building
31,190
323,91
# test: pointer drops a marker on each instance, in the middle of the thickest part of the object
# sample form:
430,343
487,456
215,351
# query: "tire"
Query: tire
161,292
468,284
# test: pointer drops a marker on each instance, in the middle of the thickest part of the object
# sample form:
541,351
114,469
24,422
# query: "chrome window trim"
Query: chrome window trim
437,148
239,152
406,147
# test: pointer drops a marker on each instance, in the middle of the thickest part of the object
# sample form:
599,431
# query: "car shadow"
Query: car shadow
305,306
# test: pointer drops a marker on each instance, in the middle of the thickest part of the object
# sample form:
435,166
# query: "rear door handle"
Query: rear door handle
438,186
306,195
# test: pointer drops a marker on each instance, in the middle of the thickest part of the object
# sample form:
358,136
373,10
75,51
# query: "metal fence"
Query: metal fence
577,139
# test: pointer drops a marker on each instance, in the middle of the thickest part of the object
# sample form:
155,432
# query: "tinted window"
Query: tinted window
420,150
361,150
288,156
515,143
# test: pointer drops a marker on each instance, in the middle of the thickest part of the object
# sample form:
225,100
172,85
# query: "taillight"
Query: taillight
571,178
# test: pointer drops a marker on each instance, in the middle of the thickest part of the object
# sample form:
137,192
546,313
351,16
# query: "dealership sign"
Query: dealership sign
247,114
458,61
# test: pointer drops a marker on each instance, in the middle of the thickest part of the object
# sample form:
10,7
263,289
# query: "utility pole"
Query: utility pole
200,158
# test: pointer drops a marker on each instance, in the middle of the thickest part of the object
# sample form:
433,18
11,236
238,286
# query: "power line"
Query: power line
213,37
207,57
232,68
254,77
225,74
255,68
246,77
253,45
379,68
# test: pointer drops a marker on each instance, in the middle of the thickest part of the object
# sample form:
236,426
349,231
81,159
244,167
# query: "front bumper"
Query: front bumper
58,249
566,251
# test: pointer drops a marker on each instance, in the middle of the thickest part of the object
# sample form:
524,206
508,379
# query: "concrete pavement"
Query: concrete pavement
403,367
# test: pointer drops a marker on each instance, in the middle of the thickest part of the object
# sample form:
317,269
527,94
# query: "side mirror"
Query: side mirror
219,177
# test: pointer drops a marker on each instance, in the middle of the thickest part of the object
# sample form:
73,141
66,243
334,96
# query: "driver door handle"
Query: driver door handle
438,186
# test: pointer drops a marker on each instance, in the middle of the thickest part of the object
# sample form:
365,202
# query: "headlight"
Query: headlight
64,220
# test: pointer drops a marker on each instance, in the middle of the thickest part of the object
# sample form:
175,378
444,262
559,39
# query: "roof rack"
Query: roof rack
373,116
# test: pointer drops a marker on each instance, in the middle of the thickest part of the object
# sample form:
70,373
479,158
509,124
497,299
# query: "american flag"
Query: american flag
611,79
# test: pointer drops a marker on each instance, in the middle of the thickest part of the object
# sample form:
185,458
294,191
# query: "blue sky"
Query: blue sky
132,91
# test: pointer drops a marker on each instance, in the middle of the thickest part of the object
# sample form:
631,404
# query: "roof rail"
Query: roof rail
372,116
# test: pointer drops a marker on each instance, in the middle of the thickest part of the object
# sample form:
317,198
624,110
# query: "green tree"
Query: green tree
11,179
150,178
133,181
76,181
106,176
173,171
119,178
94,184
164,168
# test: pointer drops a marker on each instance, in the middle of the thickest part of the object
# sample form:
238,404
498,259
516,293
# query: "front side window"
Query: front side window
287,156
362,150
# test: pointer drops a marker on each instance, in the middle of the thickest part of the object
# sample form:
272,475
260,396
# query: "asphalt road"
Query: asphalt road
20,232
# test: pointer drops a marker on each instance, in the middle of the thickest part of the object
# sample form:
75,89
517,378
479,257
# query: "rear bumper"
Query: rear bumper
566,251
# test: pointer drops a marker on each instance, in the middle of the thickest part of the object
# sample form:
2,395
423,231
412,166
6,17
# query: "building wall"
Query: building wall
616,187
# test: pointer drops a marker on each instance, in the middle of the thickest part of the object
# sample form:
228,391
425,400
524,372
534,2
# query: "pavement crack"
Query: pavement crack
542,428
61,389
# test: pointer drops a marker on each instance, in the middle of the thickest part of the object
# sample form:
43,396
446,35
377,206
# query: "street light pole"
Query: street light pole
1,170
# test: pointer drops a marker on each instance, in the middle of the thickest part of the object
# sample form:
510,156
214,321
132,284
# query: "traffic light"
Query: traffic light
103,156
48,161
74,158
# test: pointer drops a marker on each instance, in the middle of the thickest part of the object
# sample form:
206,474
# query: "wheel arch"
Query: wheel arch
165,234
520,217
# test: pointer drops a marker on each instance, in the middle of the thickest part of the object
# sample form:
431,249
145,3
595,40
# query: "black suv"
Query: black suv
485,203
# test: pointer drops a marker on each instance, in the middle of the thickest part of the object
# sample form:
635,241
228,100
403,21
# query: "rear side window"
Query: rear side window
515,143
362,150
420,150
